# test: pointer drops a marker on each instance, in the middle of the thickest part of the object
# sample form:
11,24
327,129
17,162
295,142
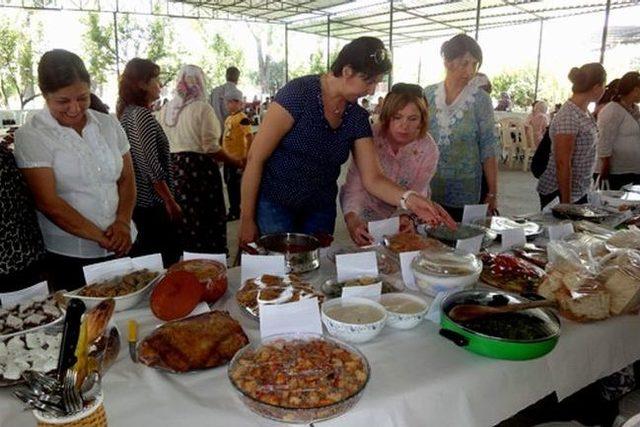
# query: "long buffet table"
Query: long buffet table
418,378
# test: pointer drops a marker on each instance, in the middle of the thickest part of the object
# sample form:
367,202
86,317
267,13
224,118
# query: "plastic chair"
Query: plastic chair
528,146
509,145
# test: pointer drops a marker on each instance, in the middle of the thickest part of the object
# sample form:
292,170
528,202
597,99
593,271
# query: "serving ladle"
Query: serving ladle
467,312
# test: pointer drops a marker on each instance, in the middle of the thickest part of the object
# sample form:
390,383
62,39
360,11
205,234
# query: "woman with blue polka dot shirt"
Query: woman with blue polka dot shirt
314,123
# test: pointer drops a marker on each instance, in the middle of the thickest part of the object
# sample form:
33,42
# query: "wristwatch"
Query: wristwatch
405,197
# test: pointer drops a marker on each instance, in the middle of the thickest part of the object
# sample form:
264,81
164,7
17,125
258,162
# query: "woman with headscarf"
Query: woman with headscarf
538,120
193,130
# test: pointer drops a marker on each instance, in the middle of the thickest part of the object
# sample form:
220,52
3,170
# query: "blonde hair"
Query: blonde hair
396,101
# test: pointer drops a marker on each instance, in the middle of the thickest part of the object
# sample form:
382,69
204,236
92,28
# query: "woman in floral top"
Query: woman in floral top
462,123
408,156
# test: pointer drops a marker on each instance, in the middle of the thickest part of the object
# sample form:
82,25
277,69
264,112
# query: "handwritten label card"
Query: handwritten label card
472,245
513,238
221,258
370,291
257,265
10,299
384,227
473,213
353,266
295,317
406,258
108,269
558,231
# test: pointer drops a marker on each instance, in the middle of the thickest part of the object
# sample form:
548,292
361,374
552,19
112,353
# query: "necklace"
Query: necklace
338,109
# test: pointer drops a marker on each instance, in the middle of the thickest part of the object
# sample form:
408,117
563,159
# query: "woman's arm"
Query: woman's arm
490,168
277,122
352,200
42,183
608,129
119,233
374,181
488,146
563,152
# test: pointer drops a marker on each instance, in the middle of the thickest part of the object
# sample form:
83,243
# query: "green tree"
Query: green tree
161,48
520,85
271,74
218,56
99,48
17,56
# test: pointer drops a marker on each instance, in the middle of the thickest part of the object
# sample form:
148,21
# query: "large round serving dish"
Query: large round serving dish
500,224
442,271
404,311
525,335
354,319
463,231
301,251
579,212
321,359
123,302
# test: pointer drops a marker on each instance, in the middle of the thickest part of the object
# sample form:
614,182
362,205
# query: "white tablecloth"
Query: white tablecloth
418,378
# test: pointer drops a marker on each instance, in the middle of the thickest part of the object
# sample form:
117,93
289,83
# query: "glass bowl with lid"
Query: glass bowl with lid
444,270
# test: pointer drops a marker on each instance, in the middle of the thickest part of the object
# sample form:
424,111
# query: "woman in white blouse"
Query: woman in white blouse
76,163
619,135
193,131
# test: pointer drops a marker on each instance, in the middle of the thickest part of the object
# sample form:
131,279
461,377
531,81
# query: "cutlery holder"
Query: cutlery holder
92,416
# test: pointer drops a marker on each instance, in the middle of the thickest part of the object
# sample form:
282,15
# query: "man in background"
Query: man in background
217,97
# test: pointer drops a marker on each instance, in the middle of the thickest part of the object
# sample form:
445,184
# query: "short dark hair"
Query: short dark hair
365,55
587,76
458,46
628,82
400,96
60,68
136,71
233,74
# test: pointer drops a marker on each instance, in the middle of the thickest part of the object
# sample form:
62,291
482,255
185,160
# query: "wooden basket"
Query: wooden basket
94,416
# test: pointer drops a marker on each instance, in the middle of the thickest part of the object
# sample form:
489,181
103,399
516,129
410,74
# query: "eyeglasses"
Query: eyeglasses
379,56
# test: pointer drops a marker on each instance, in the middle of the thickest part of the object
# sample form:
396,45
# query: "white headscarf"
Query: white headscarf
190,87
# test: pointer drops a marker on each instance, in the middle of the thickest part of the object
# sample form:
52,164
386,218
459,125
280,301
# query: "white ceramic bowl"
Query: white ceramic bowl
124,302
400,320
355,332
433,284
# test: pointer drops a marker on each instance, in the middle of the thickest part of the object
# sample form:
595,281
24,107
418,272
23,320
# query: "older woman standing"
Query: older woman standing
157,214
461,122
77,165
290,182
538,120
408,156
619,134
193,130
573,135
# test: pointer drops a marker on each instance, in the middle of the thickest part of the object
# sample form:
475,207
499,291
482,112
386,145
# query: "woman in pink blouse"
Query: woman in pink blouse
538,120
408,156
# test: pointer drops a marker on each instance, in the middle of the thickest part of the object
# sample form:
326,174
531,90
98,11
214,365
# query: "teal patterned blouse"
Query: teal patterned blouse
465,134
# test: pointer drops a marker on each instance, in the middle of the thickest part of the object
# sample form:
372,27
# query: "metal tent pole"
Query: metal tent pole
478,8
604,31
328,43
286,53
390,83
535,96
115,35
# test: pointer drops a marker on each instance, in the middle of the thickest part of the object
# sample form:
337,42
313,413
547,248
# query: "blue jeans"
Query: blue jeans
274,218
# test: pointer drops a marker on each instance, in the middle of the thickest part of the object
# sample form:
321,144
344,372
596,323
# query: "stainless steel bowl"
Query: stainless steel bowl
301,251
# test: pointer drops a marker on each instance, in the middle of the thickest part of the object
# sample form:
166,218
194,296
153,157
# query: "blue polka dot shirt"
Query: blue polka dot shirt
303,170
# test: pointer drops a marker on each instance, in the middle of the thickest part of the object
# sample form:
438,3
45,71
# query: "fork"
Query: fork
70,396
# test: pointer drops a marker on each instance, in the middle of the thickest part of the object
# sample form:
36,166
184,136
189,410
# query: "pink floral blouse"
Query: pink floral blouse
412,168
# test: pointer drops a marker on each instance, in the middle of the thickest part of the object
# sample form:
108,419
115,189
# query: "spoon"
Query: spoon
91,386
467,312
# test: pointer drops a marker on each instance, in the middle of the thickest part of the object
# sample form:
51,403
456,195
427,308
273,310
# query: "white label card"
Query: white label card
108,269
354,266
201,308
434,312
294,317
369,291
257,265
10,299
221,258
384,227
405,266
558,231
471,245
513,238
551,205
473,213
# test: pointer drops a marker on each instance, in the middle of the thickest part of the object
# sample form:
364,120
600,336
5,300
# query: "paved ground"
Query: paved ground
516,195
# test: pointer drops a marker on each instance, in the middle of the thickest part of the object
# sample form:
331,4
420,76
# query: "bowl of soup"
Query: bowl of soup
404,311
354,319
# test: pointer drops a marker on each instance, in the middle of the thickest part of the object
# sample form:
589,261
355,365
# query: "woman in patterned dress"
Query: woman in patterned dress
462,124
157,214
407,153
574,136
193,130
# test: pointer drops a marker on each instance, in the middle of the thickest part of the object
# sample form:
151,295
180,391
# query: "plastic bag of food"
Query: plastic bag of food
625,239
621,277
571,280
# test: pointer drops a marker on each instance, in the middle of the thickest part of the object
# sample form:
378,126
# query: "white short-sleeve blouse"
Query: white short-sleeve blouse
86,169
